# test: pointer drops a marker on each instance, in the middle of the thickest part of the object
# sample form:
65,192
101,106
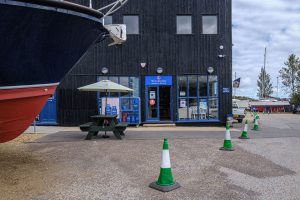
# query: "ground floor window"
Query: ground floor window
127,81
125,105
197,97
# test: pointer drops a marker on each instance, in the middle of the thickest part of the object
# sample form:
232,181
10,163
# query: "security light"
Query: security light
221,56
210,70
159,70
143,65
104,70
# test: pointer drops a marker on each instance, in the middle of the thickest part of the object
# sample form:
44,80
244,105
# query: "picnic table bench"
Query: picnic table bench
104,123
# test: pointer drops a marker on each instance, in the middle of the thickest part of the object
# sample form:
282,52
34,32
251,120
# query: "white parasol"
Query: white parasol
105,86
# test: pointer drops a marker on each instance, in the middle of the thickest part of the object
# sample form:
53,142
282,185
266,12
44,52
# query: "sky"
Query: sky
274,24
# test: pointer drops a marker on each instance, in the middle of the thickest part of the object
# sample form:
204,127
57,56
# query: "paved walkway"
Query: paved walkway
54,129
271,126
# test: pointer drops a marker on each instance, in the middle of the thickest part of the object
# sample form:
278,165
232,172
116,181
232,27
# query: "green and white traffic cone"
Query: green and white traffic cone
255,127
244,134
227,146
256,116
165,182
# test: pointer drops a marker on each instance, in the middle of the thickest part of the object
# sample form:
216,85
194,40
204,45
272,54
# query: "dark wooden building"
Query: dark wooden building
177,58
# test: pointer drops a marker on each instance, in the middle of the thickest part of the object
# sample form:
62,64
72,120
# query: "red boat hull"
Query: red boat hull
19,107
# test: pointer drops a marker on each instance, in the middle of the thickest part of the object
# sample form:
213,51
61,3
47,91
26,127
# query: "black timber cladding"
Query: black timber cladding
159,46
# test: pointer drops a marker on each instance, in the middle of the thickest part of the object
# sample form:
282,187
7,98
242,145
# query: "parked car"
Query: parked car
296,109
238,113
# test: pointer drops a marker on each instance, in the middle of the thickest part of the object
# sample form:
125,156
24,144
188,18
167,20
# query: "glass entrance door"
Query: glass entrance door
158,103
152,103
165,103
158,98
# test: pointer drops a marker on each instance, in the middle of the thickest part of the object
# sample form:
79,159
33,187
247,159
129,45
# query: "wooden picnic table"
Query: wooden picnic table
104,123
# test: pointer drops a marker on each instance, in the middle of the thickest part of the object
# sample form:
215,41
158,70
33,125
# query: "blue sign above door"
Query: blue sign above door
158,80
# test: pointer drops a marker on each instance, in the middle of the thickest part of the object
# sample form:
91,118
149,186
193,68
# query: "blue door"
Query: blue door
48,114
158,98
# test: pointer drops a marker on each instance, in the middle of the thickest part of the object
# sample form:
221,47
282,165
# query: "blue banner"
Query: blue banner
159,80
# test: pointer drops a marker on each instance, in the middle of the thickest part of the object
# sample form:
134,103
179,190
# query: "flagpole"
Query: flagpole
234,87
264,72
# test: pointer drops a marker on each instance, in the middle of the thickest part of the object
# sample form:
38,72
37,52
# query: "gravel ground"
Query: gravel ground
64,166
112,169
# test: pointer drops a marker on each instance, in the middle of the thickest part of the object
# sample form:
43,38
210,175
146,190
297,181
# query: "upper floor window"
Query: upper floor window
210,24
132,24
107,20
184,24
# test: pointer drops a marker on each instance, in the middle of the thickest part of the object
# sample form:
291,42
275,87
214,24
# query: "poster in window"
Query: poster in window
152,102
152,94
182,93
203,104
182,103
113,106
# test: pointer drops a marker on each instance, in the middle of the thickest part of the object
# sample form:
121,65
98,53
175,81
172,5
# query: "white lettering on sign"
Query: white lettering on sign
158,82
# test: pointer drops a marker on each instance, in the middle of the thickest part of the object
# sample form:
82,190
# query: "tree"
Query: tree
290,75
295,98
244,98
265,87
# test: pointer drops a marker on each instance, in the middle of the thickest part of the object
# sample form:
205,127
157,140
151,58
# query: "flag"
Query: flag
236,83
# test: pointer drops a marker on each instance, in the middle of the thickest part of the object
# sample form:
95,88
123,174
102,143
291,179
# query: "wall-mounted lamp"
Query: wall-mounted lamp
143,65
221,56
104,70
221,47
159,70
210,70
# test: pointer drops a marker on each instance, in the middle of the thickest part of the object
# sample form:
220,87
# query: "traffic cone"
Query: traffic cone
244,134
227,146
257,116
254,117
255,127
165,182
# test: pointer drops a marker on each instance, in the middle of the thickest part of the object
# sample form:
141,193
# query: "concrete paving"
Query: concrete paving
283,152
61,165
272,126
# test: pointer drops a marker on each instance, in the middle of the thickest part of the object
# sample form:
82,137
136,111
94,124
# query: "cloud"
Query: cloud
247,83
258,24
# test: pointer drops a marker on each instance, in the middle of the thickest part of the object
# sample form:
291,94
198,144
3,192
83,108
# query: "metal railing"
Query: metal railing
111,8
